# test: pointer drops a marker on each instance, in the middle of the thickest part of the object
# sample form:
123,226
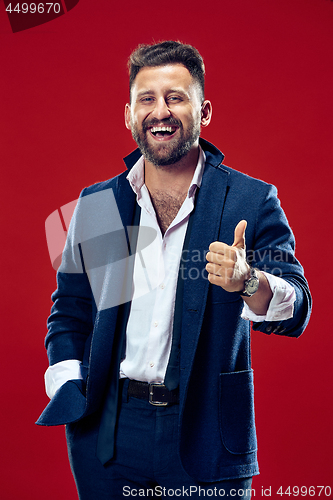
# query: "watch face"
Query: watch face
252,285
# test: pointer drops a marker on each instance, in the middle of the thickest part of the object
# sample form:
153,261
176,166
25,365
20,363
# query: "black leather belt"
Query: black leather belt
156,394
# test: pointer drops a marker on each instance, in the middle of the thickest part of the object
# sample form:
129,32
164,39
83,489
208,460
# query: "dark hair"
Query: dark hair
167,52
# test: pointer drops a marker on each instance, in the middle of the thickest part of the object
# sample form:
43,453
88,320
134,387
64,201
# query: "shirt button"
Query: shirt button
151,365
155,323
162,285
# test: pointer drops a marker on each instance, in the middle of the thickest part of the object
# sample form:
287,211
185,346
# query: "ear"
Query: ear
128,116
206,113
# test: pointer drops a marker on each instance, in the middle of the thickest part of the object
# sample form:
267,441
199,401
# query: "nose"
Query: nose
161,109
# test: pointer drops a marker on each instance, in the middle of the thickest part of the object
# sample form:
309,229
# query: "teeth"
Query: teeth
161,129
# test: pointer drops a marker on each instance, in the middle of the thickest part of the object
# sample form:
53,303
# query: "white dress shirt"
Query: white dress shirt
150,322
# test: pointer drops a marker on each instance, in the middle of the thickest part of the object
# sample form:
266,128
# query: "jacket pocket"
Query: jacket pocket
237,424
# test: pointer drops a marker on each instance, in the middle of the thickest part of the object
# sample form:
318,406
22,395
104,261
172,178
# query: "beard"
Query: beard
165,153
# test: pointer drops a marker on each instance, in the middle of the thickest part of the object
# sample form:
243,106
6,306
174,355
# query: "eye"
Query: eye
146,100
174,98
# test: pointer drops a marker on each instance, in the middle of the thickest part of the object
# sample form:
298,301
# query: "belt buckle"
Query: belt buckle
151,394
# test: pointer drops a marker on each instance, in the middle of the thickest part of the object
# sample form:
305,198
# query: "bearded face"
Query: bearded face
166,113
172,142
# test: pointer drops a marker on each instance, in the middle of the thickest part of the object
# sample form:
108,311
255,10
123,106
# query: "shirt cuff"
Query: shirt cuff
58,374
281,306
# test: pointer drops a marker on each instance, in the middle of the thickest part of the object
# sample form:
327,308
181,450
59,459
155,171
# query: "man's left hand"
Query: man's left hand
227,266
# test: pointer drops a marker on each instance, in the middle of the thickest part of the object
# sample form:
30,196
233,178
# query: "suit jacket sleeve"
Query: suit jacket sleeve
71,320
273,251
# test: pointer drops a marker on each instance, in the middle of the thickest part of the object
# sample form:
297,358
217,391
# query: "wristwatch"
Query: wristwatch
251,285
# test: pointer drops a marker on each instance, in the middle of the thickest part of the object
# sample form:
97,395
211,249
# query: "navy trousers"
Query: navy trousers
146,462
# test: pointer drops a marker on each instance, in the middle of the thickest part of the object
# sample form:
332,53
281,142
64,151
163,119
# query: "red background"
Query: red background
63,90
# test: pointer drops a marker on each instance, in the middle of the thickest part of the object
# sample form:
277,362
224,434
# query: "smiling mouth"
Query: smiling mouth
164,132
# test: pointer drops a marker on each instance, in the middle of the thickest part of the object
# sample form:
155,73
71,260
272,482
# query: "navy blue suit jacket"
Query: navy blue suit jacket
217,436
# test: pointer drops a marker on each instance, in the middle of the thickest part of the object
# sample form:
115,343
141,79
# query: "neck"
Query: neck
176,177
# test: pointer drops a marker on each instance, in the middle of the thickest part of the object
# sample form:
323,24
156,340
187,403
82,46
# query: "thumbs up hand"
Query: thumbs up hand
227,266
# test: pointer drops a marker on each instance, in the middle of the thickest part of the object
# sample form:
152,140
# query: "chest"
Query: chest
166,206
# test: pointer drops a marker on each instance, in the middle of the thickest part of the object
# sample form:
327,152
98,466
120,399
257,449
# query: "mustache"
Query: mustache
148,123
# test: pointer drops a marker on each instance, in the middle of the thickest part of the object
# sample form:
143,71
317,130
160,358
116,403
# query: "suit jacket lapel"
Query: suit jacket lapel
205,230
105,322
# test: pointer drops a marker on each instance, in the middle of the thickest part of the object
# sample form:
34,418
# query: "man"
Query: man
163,270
